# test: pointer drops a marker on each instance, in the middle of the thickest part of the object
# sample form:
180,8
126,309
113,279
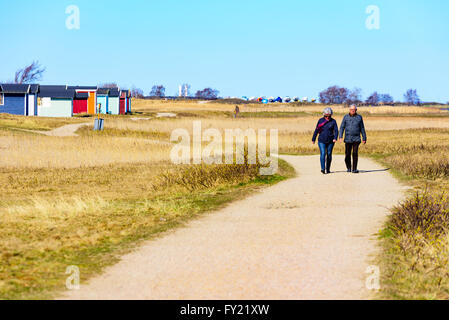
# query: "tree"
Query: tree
110,85
207,93
386,98
30,73
136,92
411,97
157,91
373,98
334,95
355,96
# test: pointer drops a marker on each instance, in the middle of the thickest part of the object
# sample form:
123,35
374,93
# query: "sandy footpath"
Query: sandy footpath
311,237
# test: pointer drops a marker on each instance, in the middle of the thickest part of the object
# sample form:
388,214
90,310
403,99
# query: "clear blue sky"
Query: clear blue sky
240,47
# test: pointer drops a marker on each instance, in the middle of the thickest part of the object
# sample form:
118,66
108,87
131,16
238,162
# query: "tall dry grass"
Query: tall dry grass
426,163
34,123
416,249
286,126
53,152
140,105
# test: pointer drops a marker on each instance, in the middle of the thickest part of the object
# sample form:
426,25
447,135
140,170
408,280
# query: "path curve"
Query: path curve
310,237
65,131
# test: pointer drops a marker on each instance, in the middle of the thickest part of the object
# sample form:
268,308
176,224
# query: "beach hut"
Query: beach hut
123,98
14,98
102,98
92,100
114,101
127,95
80,102
55,101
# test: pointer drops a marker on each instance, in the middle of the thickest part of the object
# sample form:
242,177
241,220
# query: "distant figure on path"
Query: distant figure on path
327,128
236,111
353,126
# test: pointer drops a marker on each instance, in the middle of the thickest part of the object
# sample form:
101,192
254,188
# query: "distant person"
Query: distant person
327,129
353,126
236,111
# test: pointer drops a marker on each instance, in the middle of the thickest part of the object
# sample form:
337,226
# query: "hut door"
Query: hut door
122,106
31,106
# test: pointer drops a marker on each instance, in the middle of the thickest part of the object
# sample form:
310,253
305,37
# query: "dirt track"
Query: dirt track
65,131
311,237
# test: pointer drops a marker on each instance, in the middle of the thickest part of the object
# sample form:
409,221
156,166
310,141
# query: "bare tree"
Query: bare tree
386,98
30,73
109,85
334,95
136,92
157,91
411,97
207,93
355,96
373,98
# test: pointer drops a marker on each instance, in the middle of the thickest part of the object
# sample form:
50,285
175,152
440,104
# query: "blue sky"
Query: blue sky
239,47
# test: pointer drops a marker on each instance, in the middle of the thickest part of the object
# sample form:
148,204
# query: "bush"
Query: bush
422,214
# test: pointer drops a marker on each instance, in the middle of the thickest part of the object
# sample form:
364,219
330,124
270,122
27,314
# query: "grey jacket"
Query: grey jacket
353,126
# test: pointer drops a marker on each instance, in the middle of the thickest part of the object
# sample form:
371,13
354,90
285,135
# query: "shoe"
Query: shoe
355,171
323,172
349,171
328,171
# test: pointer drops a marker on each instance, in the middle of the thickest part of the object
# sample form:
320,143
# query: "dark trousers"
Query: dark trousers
352,148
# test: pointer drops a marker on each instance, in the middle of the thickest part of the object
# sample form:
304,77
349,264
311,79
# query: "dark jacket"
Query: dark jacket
353,126
328,131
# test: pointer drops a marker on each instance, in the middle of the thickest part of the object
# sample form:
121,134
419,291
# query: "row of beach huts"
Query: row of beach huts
62,101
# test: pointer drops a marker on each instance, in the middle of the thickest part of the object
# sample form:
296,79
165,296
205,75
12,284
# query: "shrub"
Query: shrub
423,214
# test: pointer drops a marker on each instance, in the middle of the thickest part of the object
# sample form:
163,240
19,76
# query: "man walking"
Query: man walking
352,125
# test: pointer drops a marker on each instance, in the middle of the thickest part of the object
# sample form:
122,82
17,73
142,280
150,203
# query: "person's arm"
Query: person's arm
362,128
342,127
335,131
315,134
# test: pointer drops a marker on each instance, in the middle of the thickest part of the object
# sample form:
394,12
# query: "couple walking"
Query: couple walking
327,129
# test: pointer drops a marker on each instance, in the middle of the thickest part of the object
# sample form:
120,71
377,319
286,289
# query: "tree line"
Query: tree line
332,95
158,91
341,95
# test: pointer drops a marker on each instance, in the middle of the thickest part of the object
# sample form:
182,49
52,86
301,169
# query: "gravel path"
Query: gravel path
311,237
65,131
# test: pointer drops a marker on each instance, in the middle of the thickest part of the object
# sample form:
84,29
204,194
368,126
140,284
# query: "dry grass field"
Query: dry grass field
152,106
85,200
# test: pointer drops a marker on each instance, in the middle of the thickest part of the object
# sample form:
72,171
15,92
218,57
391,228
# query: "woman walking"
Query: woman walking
327,129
